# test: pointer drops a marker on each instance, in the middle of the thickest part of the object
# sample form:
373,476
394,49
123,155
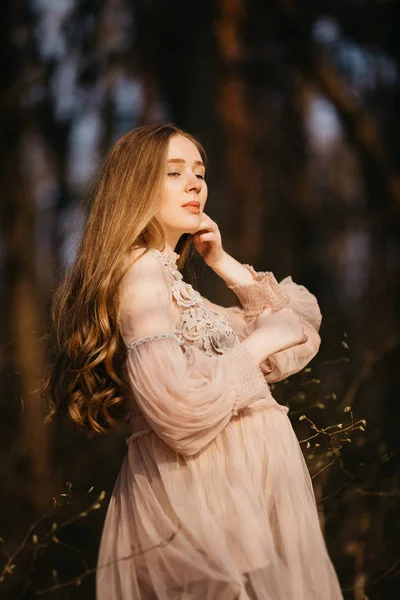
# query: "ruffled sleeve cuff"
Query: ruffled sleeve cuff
246,377
265,292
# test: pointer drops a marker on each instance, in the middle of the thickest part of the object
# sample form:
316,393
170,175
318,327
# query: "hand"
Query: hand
207,241
283,326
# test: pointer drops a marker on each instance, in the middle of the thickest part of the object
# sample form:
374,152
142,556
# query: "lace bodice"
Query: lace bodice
198,325
163,379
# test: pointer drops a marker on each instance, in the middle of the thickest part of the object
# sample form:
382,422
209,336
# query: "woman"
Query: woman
214,500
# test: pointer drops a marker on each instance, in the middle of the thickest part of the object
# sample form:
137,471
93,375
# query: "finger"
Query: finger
204,226
208,222
207,237
207,225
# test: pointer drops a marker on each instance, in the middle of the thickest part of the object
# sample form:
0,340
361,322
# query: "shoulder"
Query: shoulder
144,276
145,298
142,264
141,260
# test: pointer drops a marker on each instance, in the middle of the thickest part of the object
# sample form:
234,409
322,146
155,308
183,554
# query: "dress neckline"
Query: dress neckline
168,259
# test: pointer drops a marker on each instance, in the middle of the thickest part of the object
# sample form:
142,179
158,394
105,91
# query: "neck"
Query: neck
171,240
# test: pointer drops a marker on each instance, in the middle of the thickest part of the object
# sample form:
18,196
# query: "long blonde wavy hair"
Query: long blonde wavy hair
84,381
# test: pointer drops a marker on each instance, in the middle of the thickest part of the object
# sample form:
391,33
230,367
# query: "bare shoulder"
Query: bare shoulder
145,297
143,264
144,273
141,258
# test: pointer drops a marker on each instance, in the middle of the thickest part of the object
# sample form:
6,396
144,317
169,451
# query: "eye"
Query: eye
173,174
200,177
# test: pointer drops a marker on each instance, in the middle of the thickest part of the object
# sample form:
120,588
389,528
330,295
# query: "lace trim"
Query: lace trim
155,336
198,324
168,260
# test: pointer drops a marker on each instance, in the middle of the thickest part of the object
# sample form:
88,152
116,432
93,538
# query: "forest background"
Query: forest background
298,106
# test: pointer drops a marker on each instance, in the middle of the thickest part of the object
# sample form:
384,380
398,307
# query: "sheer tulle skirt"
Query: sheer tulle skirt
235,521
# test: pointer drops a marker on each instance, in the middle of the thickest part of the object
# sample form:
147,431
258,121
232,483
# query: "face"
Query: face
185,188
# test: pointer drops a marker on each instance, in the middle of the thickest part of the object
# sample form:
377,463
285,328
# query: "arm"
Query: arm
262,291
186,396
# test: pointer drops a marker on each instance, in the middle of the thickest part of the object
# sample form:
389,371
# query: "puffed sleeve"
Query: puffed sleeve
267,292
186,396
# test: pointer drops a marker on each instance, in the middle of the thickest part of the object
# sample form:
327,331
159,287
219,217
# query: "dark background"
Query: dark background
298,106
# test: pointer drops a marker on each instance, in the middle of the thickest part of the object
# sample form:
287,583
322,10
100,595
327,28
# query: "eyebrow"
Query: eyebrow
182,160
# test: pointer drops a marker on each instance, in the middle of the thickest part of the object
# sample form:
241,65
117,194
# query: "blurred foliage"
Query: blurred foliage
297,104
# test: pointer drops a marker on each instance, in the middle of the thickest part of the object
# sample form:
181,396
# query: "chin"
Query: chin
191,224
193,230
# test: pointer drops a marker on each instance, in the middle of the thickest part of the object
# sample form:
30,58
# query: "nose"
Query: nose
193,183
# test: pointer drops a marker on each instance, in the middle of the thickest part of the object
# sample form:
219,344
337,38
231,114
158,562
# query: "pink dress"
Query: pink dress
213,500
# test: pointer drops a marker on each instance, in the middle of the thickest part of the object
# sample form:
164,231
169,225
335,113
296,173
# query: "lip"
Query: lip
192,203
193,206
